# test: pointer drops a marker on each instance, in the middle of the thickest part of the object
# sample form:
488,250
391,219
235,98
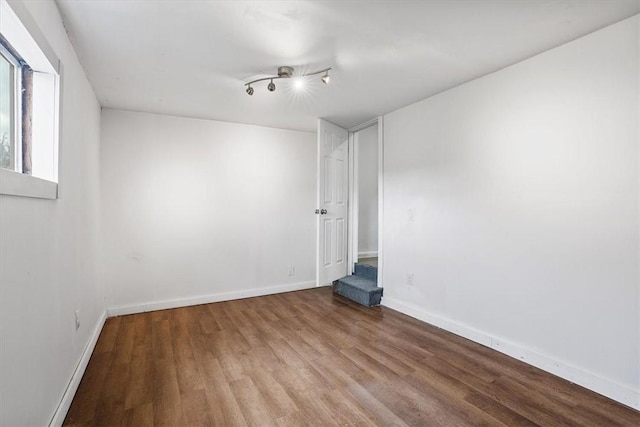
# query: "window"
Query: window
15,111
29,106
7,113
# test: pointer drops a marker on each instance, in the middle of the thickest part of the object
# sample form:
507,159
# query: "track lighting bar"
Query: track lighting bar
286,72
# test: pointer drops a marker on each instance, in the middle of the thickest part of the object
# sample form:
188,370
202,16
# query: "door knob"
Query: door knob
323,211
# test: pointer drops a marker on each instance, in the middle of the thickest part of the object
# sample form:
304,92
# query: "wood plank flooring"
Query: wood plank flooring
312,358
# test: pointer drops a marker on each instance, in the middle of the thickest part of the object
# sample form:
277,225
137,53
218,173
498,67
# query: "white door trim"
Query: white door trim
353,202
365,125
380,120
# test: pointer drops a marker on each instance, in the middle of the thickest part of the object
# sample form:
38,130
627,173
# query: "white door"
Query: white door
332,202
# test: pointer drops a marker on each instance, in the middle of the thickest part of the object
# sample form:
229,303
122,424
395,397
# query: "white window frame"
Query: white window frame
20,30
16,106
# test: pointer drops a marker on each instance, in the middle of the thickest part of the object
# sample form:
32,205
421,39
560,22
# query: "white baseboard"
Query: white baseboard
618,392
372,254
72,387
206,299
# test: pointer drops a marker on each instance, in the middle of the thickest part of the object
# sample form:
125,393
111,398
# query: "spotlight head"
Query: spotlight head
285,71
326,78
271,86
249,90
299,83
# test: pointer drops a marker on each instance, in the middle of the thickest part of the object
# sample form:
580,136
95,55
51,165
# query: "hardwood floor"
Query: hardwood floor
312,358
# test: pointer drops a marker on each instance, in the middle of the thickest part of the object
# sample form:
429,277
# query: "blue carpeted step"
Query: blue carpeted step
367,272
359,289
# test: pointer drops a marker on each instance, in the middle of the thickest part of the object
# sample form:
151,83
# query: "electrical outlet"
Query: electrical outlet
409,279
77,317
292,270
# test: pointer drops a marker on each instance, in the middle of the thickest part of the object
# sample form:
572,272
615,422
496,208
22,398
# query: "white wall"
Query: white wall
368,190
48,256
197,210
525,188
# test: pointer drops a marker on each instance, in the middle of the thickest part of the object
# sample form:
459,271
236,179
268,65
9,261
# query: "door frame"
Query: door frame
353,208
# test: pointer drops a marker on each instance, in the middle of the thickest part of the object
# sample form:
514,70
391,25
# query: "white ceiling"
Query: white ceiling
191,58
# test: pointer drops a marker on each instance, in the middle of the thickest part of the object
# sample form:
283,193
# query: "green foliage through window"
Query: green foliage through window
7,119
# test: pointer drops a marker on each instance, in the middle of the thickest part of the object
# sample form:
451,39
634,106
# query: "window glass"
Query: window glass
7,136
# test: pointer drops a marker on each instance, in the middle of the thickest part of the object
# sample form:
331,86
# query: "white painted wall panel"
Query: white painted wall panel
368,190
524,184
195,208
48,255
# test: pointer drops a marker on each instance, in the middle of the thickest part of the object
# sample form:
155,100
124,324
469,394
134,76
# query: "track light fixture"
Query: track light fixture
286,72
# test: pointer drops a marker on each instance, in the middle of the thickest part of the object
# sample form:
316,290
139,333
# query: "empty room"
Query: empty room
292,213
